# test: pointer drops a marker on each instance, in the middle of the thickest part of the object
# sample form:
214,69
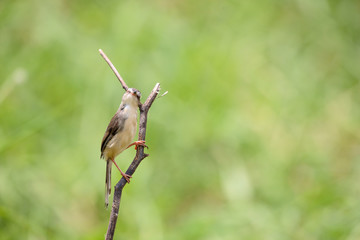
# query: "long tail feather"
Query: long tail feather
108,182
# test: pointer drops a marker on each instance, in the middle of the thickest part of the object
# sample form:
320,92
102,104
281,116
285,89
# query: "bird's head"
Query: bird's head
131,97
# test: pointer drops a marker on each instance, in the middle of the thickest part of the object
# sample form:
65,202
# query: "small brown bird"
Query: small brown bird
119,134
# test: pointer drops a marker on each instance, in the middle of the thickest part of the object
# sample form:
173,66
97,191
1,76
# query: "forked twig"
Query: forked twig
140,155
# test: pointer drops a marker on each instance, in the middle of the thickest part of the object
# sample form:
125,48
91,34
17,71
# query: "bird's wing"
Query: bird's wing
116,125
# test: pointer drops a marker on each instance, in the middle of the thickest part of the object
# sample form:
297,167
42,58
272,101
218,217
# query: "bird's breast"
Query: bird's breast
129,129
125,136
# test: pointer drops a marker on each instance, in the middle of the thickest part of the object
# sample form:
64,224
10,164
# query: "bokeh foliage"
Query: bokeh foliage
258,137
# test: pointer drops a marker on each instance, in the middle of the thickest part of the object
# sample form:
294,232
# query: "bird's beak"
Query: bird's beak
132,93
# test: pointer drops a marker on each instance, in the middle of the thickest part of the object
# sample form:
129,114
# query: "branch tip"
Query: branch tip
122,82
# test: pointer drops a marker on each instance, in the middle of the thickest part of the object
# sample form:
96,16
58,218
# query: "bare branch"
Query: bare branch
150,99
123,84
140,155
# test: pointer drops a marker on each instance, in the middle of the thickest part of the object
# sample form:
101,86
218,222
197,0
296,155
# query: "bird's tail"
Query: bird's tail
108,182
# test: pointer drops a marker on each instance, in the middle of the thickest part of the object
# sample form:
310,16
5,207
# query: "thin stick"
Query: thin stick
123,84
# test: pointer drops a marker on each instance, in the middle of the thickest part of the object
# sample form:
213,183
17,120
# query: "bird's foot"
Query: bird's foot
126,176
138,143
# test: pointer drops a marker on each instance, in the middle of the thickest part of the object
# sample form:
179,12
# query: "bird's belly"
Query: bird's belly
122,139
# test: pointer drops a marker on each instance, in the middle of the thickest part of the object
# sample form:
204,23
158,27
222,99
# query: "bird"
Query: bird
119,135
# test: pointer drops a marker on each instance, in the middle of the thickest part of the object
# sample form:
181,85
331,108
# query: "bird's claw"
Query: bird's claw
126,176
141,143
138,143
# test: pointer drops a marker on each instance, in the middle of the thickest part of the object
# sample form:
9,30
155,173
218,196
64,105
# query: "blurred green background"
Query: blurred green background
258,137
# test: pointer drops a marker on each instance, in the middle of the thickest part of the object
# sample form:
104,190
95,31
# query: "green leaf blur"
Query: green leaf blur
258,137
